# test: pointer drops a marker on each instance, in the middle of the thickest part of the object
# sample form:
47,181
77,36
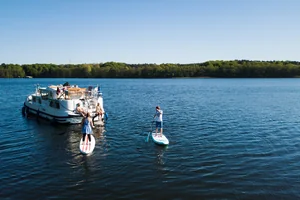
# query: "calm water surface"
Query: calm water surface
229,139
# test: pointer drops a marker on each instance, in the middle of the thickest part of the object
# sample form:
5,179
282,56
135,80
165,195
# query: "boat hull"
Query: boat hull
67,119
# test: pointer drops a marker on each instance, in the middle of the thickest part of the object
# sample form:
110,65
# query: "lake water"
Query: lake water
229,139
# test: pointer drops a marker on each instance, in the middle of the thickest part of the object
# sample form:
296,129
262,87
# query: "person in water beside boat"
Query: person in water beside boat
159,121
87,125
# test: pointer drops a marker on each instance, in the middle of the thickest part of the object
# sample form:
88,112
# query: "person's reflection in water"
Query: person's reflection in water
160,155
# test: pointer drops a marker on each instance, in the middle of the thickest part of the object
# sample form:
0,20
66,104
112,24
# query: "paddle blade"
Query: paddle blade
147,138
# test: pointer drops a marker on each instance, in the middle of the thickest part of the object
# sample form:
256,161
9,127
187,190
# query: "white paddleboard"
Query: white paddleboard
87,147
160,139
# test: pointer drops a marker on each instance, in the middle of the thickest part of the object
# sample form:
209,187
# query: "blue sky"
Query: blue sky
148,31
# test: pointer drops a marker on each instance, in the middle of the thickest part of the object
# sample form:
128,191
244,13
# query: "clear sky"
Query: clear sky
148,31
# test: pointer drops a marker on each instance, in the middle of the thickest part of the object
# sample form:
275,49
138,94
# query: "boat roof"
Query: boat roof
69,88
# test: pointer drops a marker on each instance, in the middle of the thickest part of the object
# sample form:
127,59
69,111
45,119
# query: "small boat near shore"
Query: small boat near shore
58,103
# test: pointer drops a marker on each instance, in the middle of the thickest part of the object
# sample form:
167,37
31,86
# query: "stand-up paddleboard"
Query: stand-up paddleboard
159,139
87,147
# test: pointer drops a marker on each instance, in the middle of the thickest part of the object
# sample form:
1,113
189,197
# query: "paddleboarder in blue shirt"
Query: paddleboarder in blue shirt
158,119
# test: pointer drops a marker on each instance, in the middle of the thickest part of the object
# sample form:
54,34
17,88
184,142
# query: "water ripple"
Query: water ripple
229,139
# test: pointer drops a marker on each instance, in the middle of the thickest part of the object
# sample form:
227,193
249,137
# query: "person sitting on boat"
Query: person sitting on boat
80,110
99,111
158,119
87,125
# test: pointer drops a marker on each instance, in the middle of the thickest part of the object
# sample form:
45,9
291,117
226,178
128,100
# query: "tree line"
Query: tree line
218,69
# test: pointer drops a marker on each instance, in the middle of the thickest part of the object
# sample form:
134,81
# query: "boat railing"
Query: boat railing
71,93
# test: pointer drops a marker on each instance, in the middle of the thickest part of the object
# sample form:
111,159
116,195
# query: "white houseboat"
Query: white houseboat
58,103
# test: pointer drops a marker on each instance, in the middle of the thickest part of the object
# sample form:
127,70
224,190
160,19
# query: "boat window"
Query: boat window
40,101
54,104
34,99
44,94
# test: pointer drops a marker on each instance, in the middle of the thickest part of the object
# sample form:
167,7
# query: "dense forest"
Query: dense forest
220,69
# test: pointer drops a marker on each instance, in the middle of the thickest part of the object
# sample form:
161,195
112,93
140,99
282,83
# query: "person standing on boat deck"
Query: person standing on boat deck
158,119
57,91
87,125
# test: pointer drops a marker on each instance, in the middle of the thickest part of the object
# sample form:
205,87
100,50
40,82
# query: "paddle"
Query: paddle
147,138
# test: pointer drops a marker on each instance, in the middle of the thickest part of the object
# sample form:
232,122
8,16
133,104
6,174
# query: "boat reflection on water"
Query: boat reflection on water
62,139
86,165
98,132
